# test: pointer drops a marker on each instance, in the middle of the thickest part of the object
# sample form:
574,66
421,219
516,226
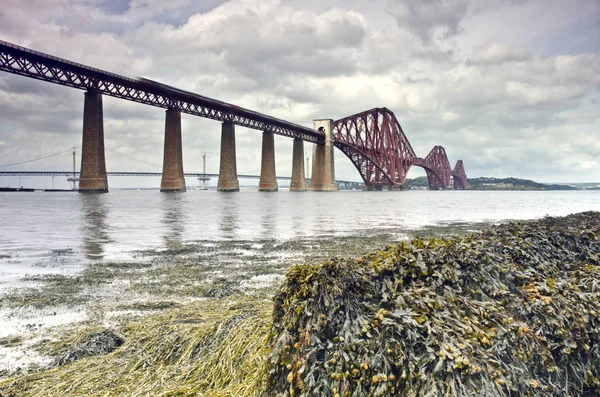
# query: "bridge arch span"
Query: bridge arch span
375,143
433,178
368,168
377,146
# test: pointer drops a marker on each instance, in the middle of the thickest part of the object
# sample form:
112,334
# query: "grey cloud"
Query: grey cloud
427,18
496,53
269,43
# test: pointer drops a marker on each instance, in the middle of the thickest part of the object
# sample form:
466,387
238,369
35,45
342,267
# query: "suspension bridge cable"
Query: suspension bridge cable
132,158
40,158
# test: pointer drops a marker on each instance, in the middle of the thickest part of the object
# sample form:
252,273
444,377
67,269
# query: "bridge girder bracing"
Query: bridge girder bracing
25,62
459,176
437,167
377,146
363,163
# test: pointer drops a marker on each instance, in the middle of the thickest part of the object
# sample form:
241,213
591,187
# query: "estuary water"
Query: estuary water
69,258
34,227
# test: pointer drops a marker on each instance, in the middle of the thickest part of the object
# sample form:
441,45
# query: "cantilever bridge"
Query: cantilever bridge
373,140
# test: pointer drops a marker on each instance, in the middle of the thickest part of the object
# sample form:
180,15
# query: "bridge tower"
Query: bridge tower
74,180
204,178
323,170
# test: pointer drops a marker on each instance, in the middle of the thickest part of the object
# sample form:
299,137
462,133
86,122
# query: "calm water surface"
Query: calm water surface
36,227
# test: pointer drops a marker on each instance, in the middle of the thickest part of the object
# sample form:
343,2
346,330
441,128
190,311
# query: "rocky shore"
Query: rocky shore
511,310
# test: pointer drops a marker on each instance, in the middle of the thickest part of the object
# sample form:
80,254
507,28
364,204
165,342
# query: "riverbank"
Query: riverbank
188,320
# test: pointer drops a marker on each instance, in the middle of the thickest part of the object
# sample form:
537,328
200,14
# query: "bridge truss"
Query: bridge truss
373,140
25,62
377,146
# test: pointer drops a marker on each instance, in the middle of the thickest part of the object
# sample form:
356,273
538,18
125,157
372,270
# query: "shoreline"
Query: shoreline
253,341
46,306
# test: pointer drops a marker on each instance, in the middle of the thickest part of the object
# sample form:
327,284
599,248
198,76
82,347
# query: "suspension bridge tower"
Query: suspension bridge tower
204,178
74,180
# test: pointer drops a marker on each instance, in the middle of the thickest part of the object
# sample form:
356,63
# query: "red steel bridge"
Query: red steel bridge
380,151
373,140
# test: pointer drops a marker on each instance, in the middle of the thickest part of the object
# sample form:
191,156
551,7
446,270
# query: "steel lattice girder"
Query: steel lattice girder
377,146
33,64
437,166
460,178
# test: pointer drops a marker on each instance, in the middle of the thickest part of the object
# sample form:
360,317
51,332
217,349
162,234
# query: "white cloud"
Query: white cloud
496,53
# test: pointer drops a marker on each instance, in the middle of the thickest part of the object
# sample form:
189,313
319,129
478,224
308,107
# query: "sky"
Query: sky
511,87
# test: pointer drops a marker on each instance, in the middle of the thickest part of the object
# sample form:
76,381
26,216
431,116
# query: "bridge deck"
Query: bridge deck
26,62
127,173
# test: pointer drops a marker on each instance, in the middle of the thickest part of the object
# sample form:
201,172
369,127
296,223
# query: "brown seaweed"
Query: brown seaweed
511,311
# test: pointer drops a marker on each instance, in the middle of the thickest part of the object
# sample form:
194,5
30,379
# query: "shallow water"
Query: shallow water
43,232
212,240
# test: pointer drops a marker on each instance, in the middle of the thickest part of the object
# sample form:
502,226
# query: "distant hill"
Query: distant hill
485,183
416,183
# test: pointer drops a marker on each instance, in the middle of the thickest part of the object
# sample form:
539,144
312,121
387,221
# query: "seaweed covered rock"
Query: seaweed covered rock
93,344
512,311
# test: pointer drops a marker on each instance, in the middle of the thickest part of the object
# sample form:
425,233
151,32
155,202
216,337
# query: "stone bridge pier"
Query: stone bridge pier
268,179
298,182
172,176
228,179
93,176
93,165
323,169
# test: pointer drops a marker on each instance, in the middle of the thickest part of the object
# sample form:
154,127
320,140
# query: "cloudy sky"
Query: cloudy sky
512,87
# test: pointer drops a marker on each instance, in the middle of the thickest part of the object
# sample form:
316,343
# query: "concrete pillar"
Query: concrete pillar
172,175
228,179
298,183
268,179
323,171
93,166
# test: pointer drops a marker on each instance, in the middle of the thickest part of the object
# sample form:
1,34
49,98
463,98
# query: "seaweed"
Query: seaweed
511,311
92,344
207,348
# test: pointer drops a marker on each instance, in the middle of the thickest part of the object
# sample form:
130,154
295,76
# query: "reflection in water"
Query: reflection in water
302,215
94,227
114,225
268,215
172,219
229,215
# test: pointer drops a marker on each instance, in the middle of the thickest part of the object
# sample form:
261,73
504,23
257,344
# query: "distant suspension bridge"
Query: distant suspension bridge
55,164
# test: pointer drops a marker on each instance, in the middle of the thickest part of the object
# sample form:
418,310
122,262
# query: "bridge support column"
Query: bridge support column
323,171
298,183
93,165
172,175
228,179
268,179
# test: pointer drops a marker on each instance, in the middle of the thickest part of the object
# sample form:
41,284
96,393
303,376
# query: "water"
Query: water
34,227
247,238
